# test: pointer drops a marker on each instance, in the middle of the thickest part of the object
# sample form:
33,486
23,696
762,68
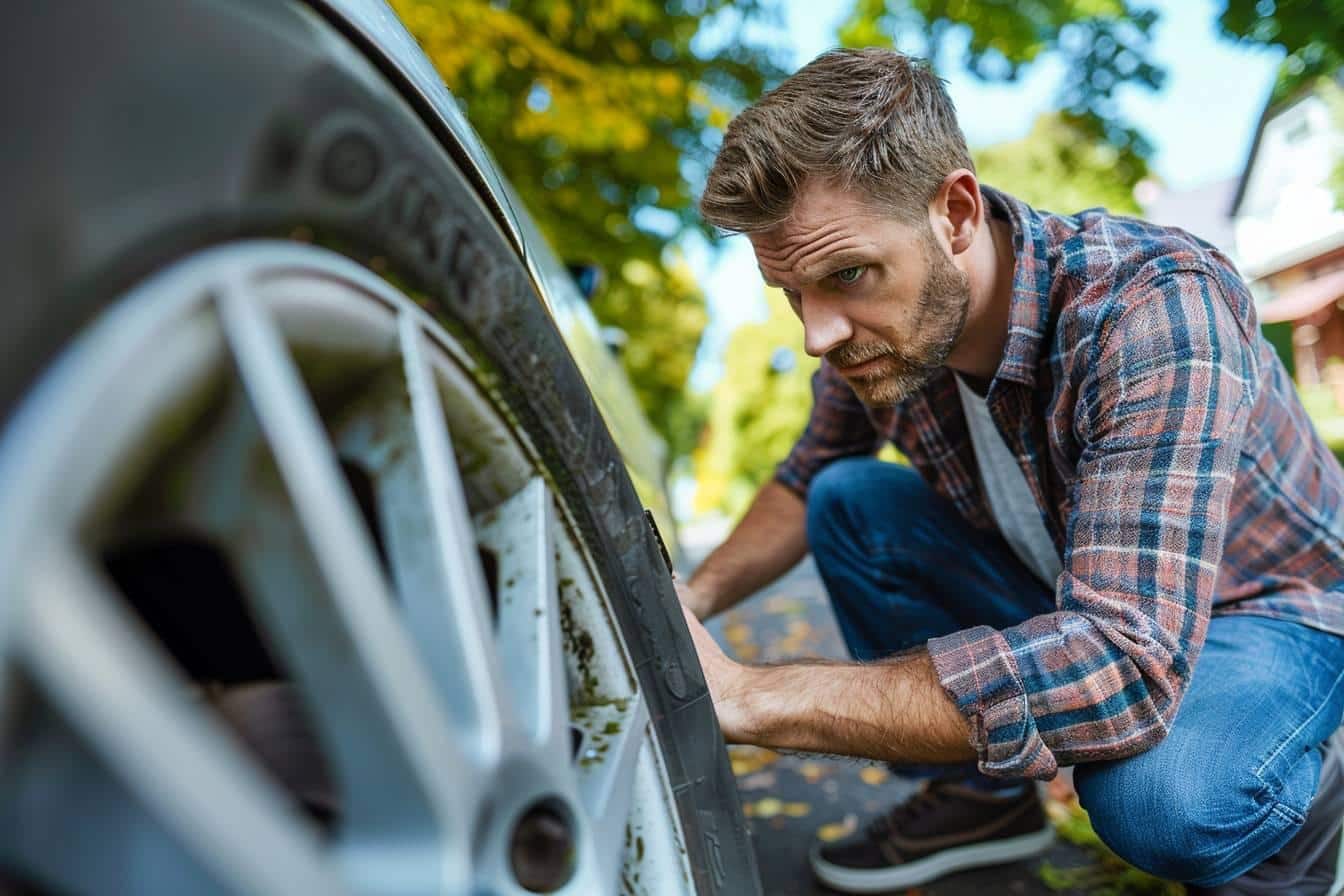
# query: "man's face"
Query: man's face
878,298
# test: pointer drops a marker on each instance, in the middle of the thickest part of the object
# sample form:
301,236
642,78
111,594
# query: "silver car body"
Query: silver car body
374,25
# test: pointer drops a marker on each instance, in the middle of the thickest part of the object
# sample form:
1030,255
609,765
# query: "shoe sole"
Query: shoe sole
994,852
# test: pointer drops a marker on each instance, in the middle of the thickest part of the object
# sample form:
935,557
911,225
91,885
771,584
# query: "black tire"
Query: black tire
137,134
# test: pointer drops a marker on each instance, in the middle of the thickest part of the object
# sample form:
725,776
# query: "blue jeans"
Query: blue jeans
1230,784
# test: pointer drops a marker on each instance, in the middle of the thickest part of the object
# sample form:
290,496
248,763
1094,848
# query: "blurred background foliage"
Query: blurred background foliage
1310,31
1060,165
605,115
1330,89
1104,44
601,114
756,410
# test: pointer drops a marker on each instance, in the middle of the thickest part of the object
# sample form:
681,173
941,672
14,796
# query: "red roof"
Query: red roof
1298,301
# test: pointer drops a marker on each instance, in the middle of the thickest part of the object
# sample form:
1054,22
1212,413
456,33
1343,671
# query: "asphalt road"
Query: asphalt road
792,800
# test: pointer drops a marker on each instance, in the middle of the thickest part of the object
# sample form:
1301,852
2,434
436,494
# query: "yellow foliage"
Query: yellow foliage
592,109
592,105
755,412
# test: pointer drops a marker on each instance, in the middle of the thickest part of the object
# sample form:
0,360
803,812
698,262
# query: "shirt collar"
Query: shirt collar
1029,311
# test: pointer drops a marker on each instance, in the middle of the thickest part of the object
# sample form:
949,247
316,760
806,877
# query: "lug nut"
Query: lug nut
542,849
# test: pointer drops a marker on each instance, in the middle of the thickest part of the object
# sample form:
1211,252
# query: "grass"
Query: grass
1106,874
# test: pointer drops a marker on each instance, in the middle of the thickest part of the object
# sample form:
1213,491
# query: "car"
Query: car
323,572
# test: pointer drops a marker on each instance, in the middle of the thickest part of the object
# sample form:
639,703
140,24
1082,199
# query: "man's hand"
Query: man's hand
727,682
894,710
691,599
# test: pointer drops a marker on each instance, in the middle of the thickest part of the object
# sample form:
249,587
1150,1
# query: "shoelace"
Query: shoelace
927,797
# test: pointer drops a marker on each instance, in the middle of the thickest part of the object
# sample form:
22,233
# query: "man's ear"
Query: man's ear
957,210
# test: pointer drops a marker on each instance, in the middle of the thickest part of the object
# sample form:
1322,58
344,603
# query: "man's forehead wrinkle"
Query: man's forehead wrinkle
810,262
801,252
808,271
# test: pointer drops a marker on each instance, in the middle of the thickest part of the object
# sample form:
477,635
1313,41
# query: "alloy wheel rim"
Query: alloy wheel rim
485,724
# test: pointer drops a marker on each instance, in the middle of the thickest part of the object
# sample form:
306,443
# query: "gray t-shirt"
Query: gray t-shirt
1010,498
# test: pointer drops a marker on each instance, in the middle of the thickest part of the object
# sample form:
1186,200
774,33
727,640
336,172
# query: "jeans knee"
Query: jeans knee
840,501
830,490
1178,821
1146,824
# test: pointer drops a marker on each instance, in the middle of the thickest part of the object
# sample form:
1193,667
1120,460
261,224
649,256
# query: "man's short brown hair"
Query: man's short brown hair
874,121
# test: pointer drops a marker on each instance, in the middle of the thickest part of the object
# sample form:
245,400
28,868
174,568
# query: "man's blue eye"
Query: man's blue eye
850,275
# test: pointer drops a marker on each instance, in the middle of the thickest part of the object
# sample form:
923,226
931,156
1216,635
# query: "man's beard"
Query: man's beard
940,316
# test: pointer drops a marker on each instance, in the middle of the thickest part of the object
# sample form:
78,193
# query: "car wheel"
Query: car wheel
321,572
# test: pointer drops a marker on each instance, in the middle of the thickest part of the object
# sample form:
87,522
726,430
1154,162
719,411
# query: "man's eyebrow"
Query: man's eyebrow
845,258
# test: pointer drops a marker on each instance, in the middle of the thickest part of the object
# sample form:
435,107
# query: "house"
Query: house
1289,232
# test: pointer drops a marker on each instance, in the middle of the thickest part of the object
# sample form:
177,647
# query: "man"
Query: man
1119,545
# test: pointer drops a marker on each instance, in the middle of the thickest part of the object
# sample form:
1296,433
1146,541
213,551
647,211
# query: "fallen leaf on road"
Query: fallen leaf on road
758,781
834,831
874,775
792,643
796,810
812,772
785,604
767,808
747,760
746,652
737,634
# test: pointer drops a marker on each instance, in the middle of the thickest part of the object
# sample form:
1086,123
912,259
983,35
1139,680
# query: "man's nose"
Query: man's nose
824,326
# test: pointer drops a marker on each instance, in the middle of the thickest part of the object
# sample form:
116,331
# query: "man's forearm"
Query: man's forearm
895,710
768,542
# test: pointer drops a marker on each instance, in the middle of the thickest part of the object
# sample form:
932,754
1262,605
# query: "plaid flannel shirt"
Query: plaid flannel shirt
1173,464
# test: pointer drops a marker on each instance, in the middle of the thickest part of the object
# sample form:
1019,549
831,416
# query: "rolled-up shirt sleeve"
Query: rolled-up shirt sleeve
1161,419
839,426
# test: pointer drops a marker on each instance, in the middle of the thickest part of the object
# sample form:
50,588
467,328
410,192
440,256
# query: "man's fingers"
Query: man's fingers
721,676
705,646
689,597
693,623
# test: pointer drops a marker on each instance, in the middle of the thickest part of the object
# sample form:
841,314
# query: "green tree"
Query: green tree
662,310
1329,87
1061,167
1103,43
1310,32
756,410
597,112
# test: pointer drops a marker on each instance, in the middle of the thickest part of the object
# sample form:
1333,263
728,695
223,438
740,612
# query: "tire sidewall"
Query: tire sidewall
303,138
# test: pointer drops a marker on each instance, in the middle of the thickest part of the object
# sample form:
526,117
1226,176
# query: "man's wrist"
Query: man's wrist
745,711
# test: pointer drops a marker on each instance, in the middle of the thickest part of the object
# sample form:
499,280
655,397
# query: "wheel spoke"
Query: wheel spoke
433,553
521,533
616,732
336,624
109,681
396,432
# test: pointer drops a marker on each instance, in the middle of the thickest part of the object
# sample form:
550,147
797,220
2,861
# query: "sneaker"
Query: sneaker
941,829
